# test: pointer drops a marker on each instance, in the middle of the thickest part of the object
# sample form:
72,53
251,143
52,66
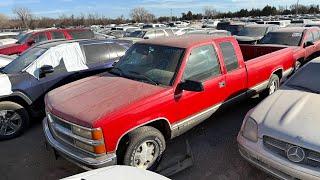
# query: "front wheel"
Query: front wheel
14,120
145,148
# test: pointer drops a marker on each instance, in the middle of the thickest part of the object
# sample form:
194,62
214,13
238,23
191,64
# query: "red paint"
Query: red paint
20,48
118,105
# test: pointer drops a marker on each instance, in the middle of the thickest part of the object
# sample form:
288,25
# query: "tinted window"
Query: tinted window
40,37
96,53
81,34
229,56
202,64
57,35
284,38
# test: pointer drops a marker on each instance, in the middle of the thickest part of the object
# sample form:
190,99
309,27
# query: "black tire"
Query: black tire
274,81
139,137
8,108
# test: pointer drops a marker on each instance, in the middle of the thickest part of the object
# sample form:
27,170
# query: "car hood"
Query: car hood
247,38
88,100
290,115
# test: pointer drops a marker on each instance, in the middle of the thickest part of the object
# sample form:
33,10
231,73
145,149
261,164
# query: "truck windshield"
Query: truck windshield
252,31
153,64
23,61
283,38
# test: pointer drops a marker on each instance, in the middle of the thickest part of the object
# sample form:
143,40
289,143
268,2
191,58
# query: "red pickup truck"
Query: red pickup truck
27,39
160,89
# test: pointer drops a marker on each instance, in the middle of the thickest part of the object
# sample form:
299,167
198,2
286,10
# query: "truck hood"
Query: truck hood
85,101
292,116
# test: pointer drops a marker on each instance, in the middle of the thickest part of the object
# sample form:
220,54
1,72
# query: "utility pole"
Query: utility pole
171,14
297,6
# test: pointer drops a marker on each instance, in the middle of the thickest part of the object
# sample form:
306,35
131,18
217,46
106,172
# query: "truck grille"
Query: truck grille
61,131
312,158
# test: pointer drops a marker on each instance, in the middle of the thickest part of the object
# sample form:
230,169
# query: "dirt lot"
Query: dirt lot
213,145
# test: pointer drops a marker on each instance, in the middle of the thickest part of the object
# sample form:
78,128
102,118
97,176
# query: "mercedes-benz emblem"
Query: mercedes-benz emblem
295,154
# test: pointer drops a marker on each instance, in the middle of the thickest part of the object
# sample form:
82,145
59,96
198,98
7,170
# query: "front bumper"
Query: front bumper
76,156
274,164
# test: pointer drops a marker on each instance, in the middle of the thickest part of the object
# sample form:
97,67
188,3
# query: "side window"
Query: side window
57,35
315,35
309,37
96,53
229,56
40,37
202,64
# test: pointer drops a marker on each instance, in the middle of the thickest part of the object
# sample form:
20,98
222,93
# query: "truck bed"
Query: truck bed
250,52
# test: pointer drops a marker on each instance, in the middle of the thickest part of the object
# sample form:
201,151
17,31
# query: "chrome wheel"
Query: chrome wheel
10,122
273,87
146,154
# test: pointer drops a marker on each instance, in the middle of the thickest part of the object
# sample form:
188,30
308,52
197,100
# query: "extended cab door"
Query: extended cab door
202,65
234,69
310,50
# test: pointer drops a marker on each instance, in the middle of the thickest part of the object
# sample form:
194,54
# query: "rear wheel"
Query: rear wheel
145,148
273,86
14,120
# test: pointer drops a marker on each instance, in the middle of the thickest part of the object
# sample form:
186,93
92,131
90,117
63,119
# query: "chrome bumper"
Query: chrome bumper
273,164
78,157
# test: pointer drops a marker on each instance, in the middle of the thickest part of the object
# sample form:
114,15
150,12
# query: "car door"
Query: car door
203,66
316,36
236,73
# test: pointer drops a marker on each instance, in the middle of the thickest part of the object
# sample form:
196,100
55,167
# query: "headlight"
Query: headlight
250,130
92,135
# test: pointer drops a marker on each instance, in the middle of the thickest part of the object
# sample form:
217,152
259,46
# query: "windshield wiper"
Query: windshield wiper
144,77
303,88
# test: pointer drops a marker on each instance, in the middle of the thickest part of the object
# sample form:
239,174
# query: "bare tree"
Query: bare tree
140,14
24,14
4,21
209,12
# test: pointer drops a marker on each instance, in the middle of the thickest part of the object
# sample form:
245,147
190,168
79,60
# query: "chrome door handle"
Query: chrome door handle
222,84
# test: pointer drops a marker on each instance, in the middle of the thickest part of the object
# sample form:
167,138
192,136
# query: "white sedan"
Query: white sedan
281,135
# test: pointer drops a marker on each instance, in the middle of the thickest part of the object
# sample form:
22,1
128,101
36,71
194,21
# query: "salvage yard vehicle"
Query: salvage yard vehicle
48,65
252,33
139,35
8,38
117,173
28,39
160,89
281,134
306,41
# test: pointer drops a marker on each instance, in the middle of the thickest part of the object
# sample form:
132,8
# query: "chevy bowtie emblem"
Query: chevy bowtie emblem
295,154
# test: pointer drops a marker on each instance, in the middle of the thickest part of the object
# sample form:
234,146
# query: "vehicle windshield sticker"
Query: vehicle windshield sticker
69,53
296,34
6,87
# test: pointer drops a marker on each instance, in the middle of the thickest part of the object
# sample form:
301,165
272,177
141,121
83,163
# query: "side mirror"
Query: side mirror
189,85
46,69
146,37
30,42
309,43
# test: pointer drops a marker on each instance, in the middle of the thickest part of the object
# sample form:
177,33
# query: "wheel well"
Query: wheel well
278,73
162,125
18,100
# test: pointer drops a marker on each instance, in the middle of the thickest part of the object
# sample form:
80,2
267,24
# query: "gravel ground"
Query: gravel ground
213,144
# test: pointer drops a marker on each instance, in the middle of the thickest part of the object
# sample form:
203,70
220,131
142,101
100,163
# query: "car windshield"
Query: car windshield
283,38
252,31
307,79
153,64
23,61
137,34
23,37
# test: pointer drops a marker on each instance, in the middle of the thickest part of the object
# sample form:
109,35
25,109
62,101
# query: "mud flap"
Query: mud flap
178,165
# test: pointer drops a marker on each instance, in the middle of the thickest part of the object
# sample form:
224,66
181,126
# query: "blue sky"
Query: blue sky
115,8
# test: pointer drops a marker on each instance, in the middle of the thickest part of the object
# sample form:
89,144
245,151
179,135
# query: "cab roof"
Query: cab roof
181,41
293,29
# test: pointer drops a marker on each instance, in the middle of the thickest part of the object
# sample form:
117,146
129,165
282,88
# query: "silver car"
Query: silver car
281,135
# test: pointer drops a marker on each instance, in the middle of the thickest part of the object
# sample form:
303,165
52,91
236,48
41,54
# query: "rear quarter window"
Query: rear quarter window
229,56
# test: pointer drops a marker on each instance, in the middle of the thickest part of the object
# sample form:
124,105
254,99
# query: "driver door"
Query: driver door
202,66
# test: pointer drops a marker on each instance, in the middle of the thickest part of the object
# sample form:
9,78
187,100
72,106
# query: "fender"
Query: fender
18,94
